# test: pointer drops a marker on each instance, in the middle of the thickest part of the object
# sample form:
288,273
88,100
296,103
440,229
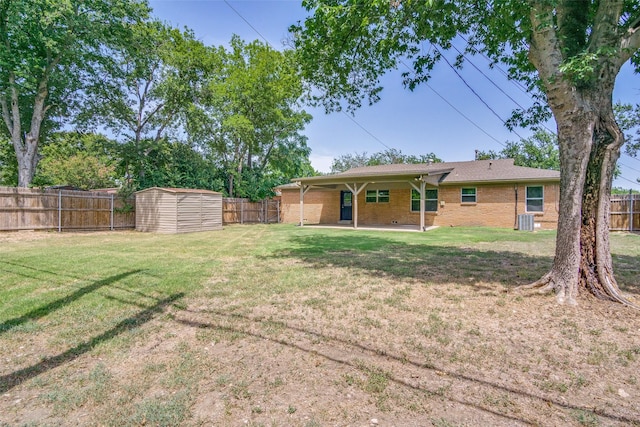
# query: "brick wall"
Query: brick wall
495,207
320,207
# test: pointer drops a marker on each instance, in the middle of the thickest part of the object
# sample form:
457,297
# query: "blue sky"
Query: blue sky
415,122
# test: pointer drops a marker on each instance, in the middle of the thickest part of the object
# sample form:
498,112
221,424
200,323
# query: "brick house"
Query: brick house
489,193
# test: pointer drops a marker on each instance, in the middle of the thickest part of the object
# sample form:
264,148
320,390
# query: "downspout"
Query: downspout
301,204
515,190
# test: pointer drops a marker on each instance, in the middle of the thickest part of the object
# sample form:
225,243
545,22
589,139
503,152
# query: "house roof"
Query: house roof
477,171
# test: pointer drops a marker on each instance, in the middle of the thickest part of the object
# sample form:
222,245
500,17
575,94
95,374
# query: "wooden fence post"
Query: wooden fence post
59,211
631,210
111,219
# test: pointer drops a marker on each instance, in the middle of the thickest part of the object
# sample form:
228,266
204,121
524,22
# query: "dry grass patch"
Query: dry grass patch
282,326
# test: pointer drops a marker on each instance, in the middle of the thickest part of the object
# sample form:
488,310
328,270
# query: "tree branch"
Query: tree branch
629,44
544,48
149,116
15,110
5,114
604,33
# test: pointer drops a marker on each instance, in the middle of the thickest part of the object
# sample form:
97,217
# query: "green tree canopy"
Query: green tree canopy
629,118
248,116
48,50
538,151
145,91
86,161
386,157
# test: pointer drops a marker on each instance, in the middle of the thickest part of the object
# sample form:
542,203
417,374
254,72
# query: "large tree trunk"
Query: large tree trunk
589,148
589,141
596,268
27,156
575,144
26,149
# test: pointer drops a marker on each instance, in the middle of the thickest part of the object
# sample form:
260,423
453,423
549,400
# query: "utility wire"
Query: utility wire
474,92
248,23
456,110
366,130
487,77
269,44
633,182
628,167
631,157
515,82
494,83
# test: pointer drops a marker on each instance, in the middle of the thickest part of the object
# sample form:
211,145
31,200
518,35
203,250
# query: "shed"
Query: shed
178,210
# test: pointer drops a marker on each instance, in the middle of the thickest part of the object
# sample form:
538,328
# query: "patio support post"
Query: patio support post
355,206
420,190
301,205
303,190
422,186
355,191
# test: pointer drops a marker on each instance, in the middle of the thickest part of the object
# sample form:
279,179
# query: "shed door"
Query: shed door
346,199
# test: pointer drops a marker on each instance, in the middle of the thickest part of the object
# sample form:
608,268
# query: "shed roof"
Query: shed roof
476,171
179,190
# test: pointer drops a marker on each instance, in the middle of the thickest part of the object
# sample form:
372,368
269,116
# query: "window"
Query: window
468,195
372,196
430,200
535,199
377,196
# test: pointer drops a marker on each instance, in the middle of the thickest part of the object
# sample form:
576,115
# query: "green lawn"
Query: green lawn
130,328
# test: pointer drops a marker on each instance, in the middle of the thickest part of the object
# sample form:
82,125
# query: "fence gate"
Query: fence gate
625,212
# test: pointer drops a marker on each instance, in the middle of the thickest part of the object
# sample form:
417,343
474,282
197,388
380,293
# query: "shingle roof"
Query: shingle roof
476,171
180,190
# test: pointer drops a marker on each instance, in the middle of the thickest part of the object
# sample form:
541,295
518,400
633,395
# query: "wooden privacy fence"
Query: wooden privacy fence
243,211
51,209
625,212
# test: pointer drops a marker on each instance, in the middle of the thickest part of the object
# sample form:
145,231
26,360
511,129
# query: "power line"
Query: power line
487,77
631,157
366,130
456,110
474,92
629,167
495,84
633,182
497,67
248,23
269,44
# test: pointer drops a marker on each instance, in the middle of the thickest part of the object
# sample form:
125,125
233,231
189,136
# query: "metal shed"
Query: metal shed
178,210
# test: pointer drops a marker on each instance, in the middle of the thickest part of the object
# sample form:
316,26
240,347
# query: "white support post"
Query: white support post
355,206
355,191
422,195
420,190
303,191
301,205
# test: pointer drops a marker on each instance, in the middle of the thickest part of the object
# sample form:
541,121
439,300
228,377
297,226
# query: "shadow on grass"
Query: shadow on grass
36,270
59,303
438,264
356,348
7,382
